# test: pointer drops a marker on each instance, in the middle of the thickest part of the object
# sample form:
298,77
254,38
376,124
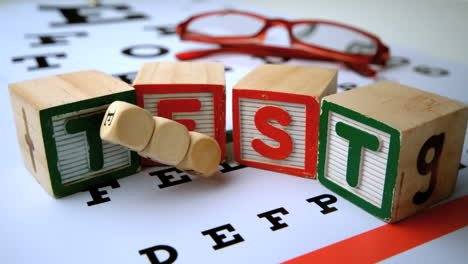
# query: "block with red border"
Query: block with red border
191,93
276,115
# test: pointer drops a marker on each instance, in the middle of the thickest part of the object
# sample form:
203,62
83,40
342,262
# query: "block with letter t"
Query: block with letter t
276,115
58,119
391,149
191,93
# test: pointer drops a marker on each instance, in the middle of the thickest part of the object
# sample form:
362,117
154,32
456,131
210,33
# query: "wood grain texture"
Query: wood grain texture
294,79
181,73
169,142
431,131
412,106
203,156
453,126
28,125
128,125
57,123
67,88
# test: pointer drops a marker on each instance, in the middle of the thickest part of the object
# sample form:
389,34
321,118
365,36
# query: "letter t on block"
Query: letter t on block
275,117
358,139
58,119
191,93
392,150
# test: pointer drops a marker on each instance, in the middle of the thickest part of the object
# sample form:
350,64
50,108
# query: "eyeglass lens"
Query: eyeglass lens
334,38
227,25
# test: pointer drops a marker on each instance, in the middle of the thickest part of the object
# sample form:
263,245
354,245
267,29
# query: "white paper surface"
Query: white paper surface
37,228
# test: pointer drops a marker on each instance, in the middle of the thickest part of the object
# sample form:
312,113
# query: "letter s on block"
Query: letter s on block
262,116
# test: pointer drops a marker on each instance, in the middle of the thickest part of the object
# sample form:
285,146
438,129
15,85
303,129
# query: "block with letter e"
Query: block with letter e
191,93
276,116
57,124
391,149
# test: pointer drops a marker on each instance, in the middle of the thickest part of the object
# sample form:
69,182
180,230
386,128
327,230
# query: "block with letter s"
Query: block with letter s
391,149
191,93
276,117
58,119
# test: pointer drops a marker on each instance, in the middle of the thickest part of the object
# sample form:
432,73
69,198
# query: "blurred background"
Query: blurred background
434,27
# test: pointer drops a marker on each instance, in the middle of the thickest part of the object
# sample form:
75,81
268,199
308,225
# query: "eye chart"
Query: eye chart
160,215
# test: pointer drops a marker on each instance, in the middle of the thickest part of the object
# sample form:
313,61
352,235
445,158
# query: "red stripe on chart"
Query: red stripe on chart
391,239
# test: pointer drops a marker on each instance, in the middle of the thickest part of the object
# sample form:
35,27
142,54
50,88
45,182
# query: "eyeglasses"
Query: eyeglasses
243,32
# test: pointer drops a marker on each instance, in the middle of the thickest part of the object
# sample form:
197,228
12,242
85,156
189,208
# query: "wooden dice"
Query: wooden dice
160,139
57,123
203,155
169,142
393,150
275,117
127,125
191,93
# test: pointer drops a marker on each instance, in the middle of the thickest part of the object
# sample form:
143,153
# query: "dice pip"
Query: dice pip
391,149
191,93
57,123
276,117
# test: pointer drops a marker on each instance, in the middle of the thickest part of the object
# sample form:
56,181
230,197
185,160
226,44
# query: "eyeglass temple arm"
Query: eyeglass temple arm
363,69
382,56
259,51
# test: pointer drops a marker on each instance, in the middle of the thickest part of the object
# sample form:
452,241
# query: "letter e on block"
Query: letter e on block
276,115
391,149
58,119
191,93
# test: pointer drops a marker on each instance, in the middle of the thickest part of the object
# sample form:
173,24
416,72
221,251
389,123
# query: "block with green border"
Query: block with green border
390,149
57,123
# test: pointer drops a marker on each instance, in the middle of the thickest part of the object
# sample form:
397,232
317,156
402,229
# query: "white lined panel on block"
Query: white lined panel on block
373,163
296,130
204,119
73,150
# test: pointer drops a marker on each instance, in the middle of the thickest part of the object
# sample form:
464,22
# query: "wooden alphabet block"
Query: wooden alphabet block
169,142
127,125
275,117
57,123
393,150
191,93
203,155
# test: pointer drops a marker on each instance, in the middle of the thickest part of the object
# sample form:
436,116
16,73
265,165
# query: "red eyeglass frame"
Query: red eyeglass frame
251,44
